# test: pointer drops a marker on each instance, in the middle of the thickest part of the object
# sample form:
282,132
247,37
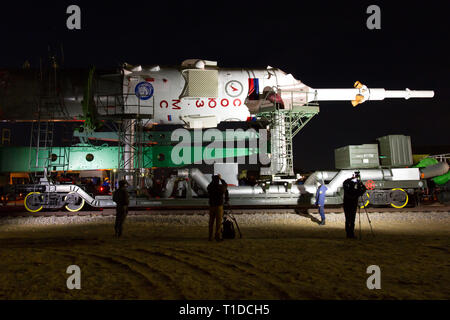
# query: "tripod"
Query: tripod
229,214
361,202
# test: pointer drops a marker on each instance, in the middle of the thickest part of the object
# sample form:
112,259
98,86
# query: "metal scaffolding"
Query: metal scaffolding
284,126
42,158
133,157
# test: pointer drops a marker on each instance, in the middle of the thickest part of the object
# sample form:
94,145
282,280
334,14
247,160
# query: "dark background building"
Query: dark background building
322,43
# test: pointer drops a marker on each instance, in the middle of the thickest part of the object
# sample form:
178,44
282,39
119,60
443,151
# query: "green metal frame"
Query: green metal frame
160,137
295,120
16,159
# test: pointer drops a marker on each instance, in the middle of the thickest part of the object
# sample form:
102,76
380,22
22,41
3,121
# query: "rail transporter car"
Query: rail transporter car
166,130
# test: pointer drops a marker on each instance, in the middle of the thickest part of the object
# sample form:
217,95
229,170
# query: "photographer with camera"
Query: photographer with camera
218,196
353,189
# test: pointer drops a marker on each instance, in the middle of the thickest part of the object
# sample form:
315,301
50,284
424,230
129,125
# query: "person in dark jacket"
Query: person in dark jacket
353,189
122,200
217,191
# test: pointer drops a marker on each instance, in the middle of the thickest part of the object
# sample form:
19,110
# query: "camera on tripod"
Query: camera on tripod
362,189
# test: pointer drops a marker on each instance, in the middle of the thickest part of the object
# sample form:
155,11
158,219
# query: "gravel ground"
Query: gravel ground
281,256
289,218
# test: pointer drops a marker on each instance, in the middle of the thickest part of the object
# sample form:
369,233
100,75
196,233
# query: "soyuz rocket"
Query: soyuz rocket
196,94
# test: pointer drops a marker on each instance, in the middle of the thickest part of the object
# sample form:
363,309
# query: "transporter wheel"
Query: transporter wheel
33,202
74,202
399,198
365,200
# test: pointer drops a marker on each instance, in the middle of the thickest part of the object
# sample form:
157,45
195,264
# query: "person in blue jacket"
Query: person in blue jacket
320,201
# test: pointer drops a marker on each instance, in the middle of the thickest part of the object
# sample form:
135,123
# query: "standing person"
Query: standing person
217,190
122,200
353,189
106,185
320,201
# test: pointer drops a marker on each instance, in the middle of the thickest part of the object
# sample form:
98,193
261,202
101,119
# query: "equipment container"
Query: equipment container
395,151
357,157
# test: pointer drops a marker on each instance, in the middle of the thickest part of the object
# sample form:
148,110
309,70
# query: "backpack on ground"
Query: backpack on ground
228,229
228,226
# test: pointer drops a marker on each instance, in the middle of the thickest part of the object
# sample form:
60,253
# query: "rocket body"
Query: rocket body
196,94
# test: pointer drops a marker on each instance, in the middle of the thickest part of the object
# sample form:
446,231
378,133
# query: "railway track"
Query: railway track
21,212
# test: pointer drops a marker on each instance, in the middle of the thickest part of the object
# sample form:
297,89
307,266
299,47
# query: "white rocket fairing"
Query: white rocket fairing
197,94
200,95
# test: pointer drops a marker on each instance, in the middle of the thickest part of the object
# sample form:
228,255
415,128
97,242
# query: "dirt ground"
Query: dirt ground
282,256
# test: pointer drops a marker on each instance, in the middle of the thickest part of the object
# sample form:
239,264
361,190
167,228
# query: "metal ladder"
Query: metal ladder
290,122
43,157
131,143
41,142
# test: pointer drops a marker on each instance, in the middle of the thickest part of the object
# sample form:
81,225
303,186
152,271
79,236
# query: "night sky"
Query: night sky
323,44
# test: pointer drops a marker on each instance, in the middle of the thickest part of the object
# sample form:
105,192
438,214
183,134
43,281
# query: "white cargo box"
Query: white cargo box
405,174
228,171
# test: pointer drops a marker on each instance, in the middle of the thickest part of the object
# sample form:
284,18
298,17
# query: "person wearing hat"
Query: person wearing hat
122,200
